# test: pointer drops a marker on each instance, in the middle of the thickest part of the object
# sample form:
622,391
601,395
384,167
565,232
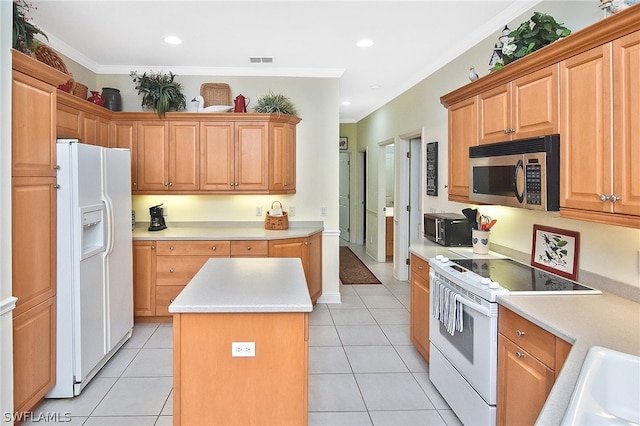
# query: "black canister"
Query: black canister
112,98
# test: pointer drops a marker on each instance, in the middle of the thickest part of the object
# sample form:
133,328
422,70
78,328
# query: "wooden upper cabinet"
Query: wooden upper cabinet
251,156
124,134
282,157
168,156
33,149
68,122
626,124
585,146
463,119
152,149
217,151
525,107
184,155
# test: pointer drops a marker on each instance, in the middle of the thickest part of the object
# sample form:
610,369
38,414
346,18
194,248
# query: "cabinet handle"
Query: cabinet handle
306,243
520,354
603,198
614,198
213,248
248,248
171,248
153,247
56,186
166,184
56,167
134,183
520,333
170,184
171,270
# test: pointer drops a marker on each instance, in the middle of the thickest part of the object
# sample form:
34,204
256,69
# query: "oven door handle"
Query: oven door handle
484,311
476,307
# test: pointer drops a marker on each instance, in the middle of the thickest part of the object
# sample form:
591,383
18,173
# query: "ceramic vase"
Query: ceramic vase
112,98
96,98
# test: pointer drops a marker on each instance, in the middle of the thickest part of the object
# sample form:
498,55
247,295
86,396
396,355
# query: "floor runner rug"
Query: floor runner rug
353,270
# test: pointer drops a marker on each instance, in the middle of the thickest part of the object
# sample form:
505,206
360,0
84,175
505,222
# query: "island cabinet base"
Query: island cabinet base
210,387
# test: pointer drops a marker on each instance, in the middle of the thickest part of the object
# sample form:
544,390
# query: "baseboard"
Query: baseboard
330,298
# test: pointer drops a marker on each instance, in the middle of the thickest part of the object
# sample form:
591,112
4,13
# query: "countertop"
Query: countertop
213,231
246,285
583,320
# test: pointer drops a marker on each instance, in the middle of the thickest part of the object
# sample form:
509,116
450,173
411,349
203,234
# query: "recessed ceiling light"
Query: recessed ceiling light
375,86
364,43
172,40
346,102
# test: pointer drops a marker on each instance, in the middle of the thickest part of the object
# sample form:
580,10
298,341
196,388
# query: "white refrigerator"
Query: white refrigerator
94,261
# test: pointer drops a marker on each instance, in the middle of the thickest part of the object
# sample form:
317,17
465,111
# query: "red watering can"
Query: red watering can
241,104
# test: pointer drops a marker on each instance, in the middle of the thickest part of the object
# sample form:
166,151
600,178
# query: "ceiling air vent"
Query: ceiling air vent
260,60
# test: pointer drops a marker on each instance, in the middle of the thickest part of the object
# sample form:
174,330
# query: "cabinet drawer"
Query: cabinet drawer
164,296
249,248
194,248
177,270
530,337
419,267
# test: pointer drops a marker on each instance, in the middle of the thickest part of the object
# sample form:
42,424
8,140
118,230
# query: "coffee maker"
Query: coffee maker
157,218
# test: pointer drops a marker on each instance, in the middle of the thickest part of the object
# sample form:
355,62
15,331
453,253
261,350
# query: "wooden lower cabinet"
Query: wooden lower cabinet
420,312
529,360
268,388
34,354
309,249
144,278
161,269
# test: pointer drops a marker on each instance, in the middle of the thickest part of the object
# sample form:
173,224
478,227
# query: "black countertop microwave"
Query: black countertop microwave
447,229
520,173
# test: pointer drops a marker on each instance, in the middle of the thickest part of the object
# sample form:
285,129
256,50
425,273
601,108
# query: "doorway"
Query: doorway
407,201
345,196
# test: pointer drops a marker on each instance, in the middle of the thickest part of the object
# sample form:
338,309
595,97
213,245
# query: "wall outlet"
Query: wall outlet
243,349
258,210
292,211
323,211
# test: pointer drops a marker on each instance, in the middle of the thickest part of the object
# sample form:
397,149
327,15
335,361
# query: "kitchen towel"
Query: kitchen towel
446,307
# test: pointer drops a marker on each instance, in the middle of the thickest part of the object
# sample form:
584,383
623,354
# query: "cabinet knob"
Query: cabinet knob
170,184
166,184
153,247
520,333
56,167
134,183
420,267
614,198
56,186
603,197
248,247
520,354
306,243
214,248
171,248
171,270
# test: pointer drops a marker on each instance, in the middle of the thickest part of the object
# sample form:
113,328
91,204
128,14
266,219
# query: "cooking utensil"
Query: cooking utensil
471,215
490,224
484,221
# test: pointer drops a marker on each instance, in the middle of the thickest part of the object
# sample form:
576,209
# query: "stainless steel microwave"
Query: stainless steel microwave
521,173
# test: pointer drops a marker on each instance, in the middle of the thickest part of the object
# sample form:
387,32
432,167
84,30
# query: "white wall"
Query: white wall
609,251
6,299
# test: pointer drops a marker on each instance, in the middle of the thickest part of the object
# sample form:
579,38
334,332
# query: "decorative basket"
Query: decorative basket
49,56
80,90
276,223
215,94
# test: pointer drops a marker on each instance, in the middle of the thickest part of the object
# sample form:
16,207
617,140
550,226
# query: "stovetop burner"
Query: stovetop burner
516,276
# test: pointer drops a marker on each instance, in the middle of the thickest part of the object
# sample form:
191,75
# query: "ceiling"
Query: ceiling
412,39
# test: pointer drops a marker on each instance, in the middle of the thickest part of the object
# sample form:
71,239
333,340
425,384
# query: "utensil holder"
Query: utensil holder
480,241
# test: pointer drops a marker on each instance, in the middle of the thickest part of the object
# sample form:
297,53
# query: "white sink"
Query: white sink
607,391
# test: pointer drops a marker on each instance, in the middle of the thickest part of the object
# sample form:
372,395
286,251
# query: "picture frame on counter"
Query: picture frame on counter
556,250
344,143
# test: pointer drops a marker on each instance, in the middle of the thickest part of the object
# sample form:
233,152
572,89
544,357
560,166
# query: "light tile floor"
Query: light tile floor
363,369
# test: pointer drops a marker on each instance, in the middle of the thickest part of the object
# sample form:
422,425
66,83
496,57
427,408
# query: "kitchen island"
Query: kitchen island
241,343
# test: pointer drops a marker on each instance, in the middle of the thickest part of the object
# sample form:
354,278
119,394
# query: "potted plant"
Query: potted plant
159,92
23,30
275,103
540,30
